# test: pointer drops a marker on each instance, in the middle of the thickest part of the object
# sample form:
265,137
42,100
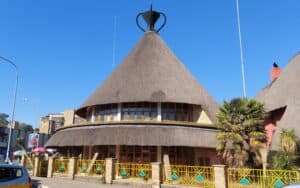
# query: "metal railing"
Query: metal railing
90,167
188,175
61,165
134,170
259,178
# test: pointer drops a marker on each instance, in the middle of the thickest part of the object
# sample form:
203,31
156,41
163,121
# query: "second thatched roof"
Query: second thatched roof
284,92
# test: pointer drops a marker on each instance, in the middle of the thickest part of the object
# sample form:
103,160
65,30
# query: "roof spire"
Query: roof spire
151,17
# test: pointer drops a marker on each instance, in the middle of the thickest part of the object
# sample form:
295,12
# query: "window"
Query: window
138,154
107,112
177,112
139,111
204,161
9,173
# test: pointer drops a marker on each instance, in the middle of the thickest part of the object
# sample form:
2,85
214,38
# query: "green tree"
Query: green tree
26,127
285,159
241,134
3,119
288,141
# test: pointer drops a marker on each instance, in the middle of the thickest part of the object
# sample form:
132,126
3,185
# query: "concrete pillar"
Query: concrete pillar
50,167
220,176
156,175
23,160
158,154
118,148
167,167
72,167
93,114
36,166
109,170
90,152
119,115
159,111
69,117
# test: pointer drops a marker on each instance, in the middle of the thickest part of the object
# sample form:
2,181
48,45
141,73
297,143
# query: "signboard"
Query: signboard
33,140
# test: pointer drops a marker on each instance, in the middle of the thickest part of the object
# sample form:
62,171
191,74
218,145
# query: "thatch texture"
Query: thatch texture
151,73
284,92
139,135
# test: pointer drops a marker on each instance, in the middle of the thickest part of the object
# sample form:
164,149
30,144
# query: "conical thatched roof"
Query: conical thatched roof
284,92
151,73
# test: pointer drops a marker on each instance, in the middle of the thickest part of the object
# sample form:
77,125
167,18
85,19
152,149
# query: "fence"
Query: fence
174,175
134,170
90,167
61,165
189,175
244,177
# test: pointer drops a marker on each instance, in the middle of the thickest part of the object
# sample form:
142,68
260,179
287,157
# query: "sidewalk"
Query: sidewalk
65,183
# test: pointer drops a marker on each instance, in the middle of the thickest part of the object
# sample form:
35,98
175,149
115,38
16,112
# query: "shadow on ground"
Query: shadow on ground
36,183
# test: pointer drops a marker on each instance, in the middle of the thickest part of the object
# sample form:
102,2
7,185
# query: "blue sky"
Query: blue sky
64,48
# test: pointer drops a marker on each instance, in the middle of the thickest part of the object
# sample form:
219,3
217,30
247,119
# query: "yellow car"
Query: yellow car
14,176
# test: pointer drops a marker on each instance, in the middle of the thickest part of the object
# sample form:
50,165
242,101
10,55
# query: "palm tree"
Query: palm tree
288,141
3,120
285,158
241,132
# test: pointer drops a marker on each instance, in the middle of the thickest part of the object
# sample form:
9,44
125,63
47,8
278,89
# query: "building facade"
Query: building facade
282,100
19,138
150,109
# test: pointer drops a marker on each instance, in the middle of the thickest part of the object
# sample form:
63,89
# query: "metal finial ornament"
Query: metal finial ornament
151,17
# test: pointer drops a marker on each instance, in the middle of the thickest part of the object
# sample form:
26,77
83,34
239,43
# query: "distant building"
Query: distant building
50,122
19,139
53,121
4,131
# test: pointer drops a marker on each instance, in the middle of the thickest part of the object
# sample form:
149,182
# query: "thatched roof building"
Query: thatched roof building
150,100
283,94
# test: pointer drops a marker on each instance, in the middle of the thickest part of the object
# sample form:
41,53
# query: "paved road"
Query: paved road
65,183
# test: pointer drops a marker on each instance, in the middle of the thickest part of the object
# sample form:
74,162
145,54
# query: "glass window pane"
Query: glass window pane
139,115
153,115
171,116
132,115
146,115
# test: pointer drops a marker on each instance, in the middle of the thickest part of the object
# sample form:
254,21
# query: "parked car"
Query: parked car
292,185
14,176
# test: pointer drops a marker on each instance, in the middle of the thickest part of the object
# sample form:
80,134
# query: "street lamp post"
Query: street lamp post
14,106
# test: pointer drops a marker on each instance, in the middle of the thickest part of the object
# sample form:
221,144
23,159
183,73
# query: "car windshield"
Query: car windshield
9,173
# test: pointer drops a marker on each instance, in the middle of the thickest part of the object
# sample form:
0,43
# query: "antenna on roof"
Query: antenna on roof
114,42
241,48
151,17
